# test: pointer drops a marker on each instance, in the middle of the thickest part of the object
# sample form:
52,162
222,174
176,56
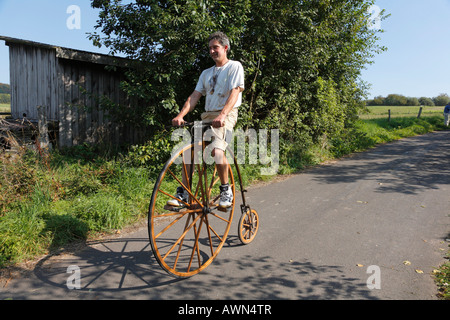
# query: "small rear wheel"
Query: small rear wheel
248,226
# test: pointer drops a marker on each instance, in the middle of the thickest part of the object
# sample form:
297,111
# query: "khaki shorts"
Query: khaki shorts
221,136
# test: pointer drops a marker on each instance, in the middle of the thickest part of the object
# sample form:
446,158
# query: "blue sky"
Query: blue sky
417,36
417,63
45,21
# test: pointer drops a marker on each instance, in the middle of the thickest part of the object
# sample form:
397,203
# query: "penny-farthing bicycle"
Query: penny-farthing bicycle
186,239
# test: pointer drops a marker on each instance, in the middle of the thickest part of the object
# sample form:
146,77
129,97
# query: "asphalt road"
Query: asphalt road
381,214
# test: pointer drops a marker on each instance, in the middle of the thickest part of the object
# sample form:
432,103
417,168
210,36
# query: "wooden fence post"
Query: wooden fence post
389,119
43,128
420,112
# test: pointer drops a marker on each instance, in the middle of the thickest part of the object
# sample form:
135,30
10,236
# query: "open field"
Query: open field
4,108
400,111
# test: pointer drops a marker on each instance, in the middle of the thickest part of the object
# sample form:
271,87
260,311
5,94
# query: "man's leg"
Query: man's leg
222,165
226,194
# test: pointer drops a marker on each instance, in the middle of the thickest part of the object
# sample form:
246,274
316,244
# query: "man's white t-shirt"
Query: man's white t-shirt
216,84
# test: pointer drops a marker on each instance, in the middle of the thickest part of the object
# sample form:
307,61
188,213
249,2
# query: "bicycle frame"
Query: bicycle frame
205,126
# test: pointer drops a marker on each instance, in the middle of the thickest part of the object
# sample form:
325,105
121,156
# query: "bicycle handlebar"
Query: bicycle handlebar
189,124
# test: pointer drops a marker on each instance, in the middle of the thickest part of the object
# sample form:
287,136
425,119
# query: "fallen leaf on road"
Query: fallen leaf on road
407,263
360,265
419,271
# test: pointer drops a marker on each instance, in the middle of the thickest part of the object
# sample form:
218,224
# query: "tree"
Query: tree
441,100
424,101
5,88
395,100
411,101
377,101
302,59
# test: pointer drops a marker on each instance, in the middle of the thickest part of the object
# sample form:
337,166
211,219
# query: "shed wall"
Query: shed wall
81,117
71,91
33,81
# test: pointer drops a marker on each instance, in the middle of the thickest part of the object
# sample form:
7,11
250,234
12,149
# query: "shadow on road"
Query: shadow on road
126,269
406,166
116,265
293,280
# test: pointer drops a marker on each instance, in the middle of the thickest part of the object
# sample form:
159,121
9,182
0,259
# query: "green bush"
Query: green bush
302,60
153,154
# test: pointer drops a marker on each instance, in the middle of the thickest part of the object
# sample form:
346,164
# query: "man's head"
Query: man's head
219,46
221,38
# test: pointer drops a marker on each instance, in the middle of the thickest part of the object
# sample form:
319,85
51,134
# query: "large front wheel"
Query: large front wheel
185,239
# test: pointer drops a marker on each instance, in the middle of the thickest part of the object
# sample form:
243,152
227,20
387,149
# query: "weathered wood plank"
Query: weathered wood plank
82,104
89,106
13,80
74,100
22,94
43,127
54,91
32,79
66,105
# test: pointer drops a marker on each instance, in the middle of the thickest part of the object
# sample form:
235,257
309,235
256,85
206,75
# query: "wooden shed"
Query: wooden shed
69,85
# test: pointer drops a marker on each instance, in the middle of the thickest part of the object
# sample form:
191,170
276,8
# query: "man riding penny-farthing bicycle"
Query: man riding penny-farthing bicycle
189,229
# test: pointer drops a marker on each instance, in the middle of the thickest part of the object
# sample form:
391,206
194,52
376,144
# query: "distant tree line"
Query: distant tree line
400,100
5,88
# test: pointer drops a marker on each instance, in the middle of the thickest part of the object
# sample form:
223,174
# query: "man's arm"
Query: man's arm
232,99
189,105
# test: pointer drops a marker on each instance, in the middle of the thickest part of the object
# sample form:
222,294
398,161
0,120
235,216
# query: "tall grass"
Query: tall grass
51,202
5,107
48,202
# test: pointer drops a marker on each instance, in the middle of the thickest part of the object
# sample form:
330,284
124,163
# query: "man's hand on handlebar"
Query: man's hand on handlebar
178,122
219,121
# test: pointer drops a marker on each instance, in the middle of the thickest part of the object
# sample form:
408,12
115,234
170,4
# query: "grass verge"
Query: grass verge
442,278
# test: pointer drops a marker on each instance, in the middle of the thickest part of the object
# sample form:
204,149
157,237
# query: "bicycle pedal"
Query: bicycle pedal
172,208
224,209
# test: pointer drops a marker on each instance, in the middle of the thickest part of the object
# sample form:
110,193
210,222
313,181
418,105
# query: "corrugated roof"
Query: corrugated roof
72,54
